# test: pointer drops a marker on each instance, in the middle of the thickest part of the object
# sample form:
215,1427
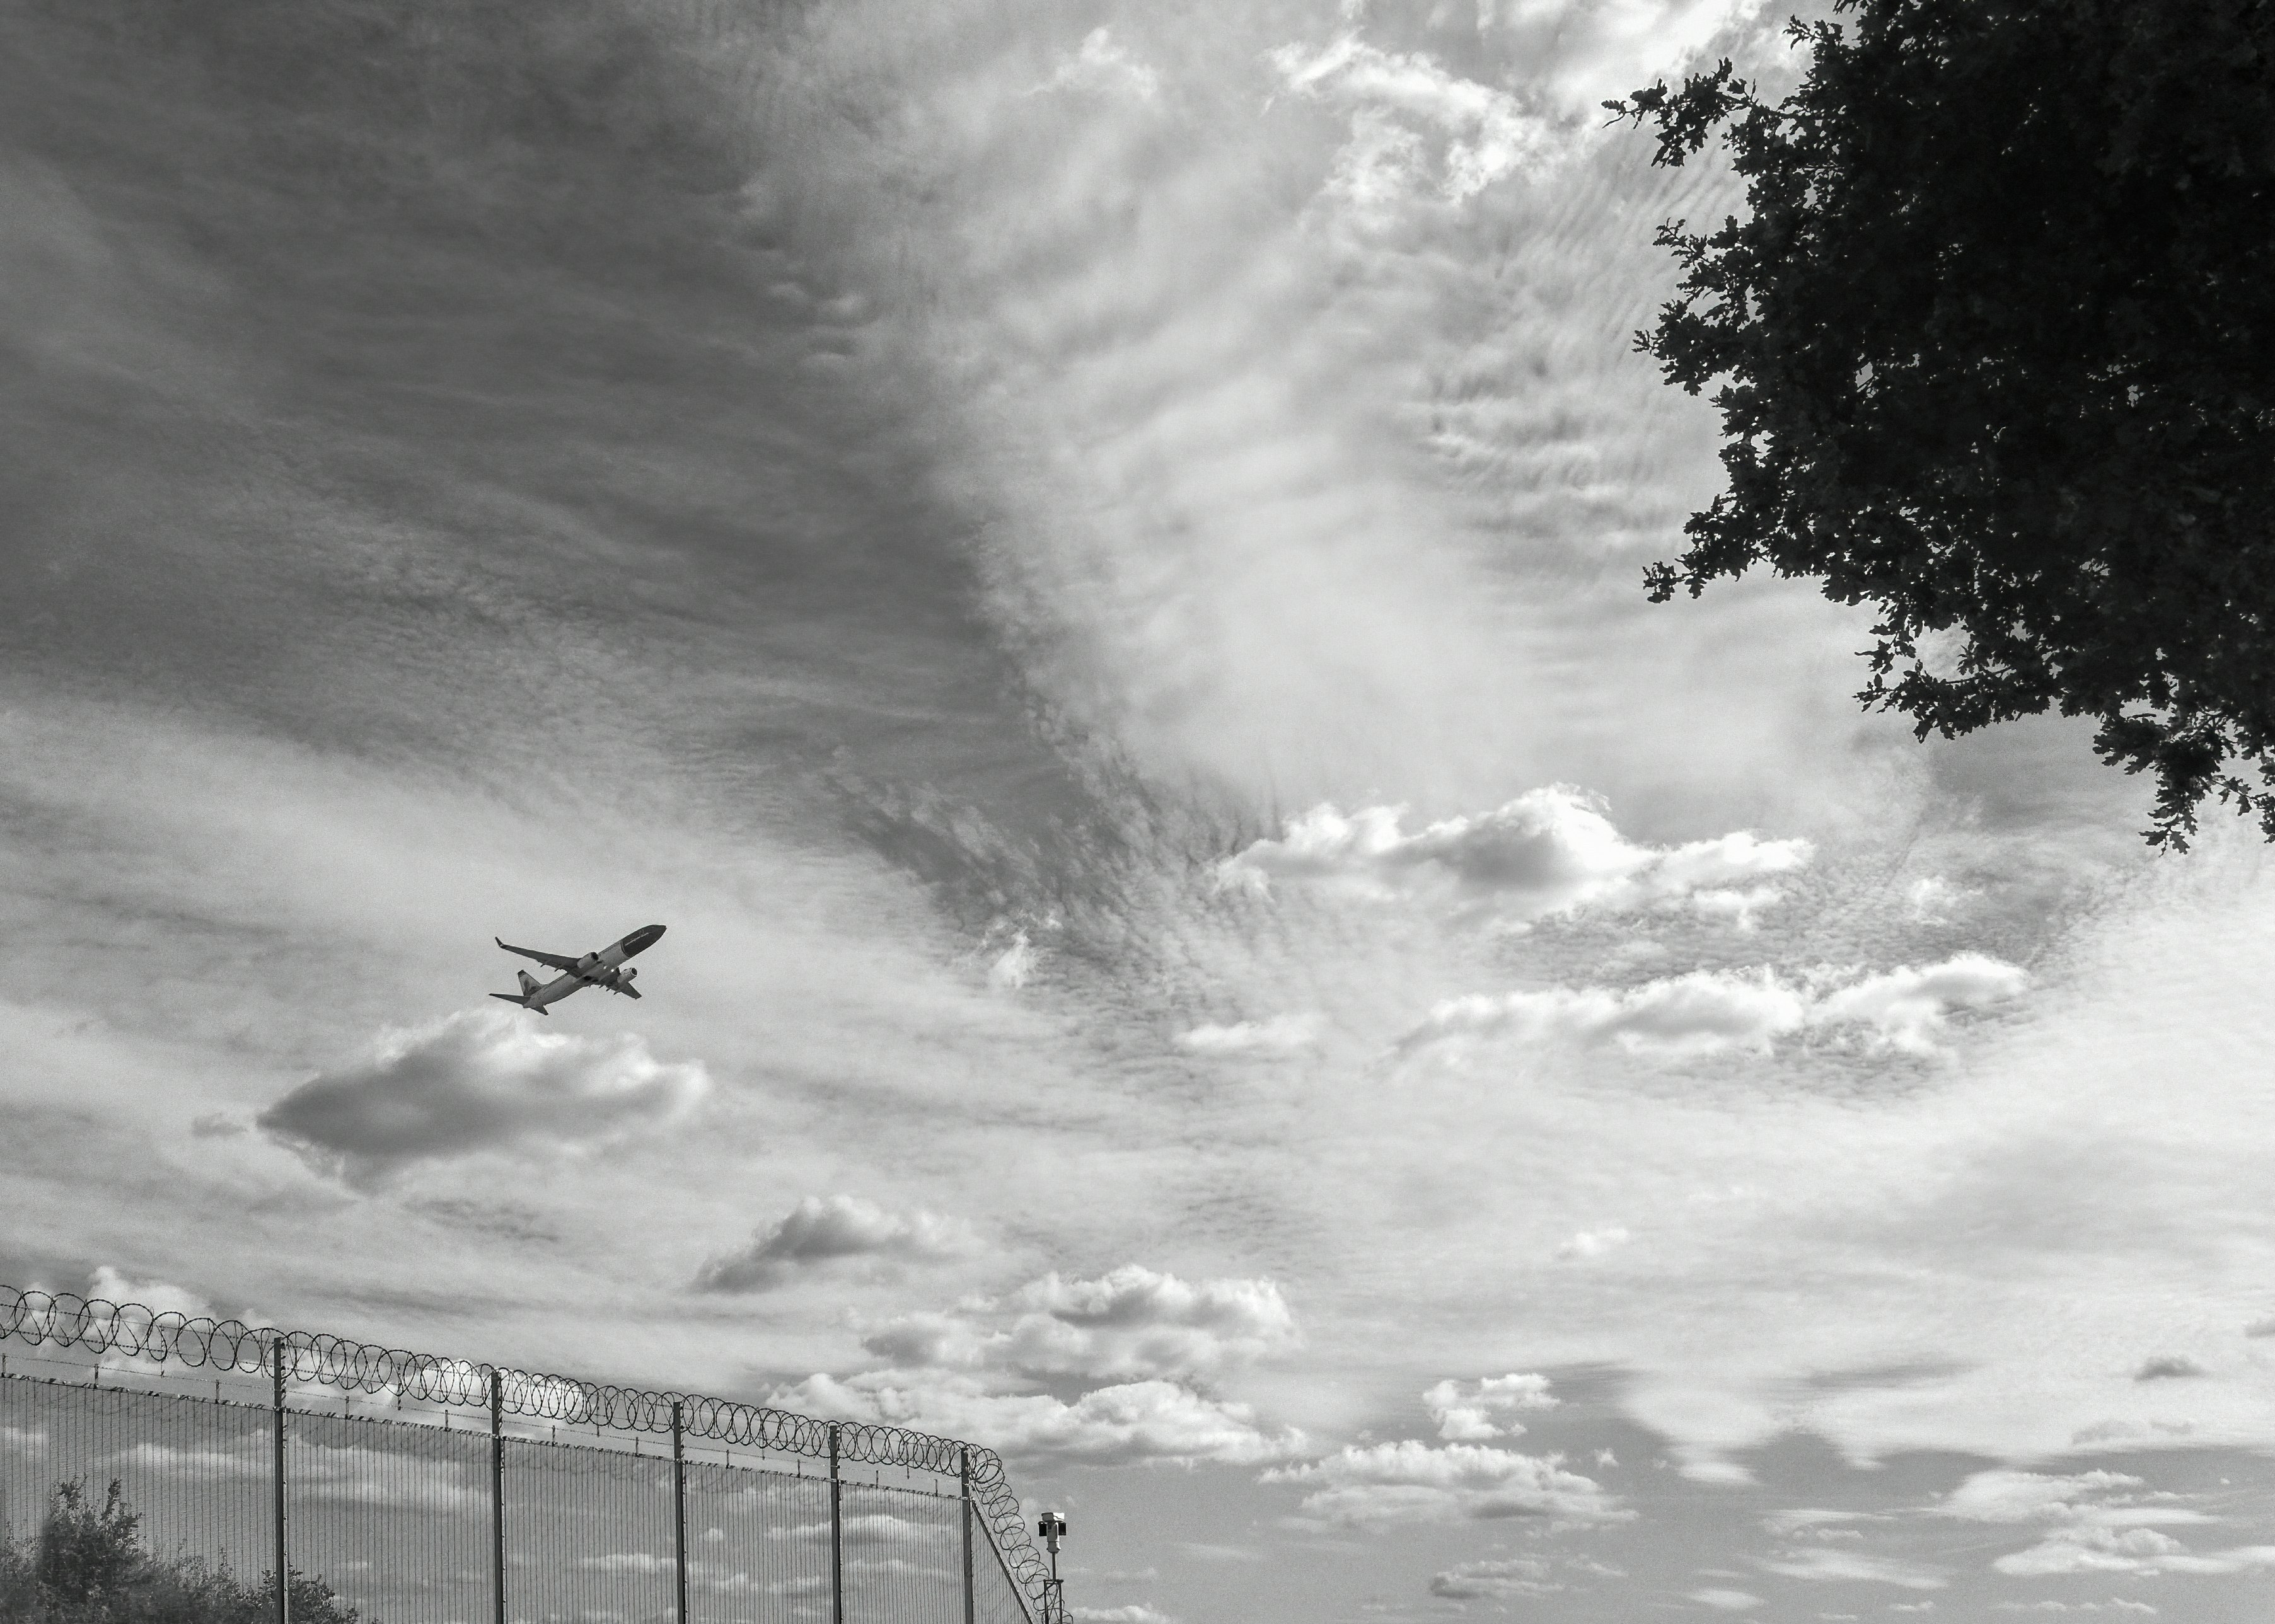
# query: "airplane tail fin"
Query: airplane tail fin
528,982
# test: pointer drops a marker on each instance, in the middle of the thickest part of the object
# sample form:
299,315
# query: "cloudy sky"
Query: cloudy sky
1085,560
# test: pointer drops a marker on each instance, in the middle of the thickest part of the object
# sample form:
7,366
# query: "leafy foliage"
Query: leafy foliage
87,1565
1998,344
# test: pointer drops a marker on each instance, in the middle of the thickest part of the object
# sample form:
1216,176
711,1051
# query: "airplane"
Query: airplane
605,969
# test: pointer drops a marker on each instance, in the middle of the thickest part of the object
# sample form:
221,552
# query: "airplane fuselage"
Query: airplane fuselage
602,969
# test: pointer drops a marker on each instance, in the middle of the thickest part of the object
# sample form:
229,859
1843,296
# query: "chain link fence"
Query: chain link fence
202,1472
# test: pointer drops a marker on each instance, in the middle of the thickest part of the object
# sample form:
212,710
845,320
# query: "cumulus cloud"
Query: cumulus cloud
1500,1580
1282,1034
1131,1322
1550,851
821,1231
1127,1422
2102,1498
1375,1485
1707,1011
110,1285
1907,1007
1409,102
480,1081
1472,1412
2093,1523
1852,1567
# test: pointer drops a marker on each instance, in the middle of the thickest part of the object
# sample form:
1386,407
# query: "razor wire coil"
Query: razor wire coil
96,1325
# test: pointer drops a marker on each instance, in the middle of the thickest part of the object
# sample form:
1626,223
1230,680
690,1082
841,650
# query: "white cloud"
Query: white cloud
1708,1011
1102,63
1549,851
2102,1498
1933,899
1907,1007
1129,1423
1375,1485
1723,1600
1132,1613
820,1232
1497,1580
2094,1521
480,1081
1132,1321
2141,1551
112,1286
1591,1243
1852,1567
2115,1604
1282,1034
1472,1412
1486,133
1014,965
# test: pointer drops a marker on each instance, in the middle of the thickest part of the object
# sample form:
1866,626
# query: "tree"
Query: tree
1998,352
88,1565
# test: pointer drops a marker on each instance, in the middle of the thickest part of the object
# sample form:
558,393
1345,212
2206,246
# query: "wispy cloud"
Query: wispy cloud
1378,1485
1704,1012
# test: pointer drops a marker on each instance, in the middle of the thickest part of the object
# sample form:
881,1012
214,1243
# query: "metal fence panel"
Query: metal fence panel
758,1546
395,1516
995,1599
904,1555
195,1471
393,1511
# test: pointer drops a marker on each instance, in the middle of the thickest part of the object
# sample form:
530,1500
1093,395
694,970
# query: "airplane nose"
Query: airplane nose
643,939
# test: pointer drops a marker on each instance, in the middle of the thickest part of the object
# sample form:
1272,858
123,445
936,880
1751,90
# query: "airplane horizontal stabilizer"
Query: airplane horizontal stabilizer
515,997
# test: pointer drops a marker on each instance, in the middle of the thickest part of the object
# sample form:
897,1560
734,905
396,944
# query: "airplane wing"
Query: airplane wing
554,959
625,987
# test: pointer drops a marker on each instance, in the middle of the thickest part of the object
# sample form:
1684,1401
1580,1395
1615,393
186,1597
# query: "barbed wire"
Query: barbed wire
100,1325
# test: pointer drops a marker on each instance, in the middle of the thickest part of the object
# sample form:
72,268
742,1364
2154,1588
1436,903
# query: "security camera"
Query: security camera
1049,1523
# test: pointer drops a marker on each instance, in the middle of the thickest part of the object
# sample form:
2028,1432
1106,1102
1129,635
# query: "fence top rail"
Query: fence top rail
96,1325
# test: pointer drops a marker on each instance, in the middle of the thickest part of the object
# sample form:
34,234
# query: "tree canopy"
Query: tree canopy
1996,354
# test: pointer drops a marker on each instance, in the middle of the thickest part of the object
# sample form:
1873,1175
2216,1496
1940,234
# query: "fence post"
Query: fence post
497,1495
679,1504
277,1432
836,1536
963,1475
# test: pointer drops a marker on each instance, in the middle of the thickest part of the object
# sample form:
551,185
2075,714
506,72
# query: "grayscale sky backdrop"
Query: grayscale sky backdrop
1084,559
